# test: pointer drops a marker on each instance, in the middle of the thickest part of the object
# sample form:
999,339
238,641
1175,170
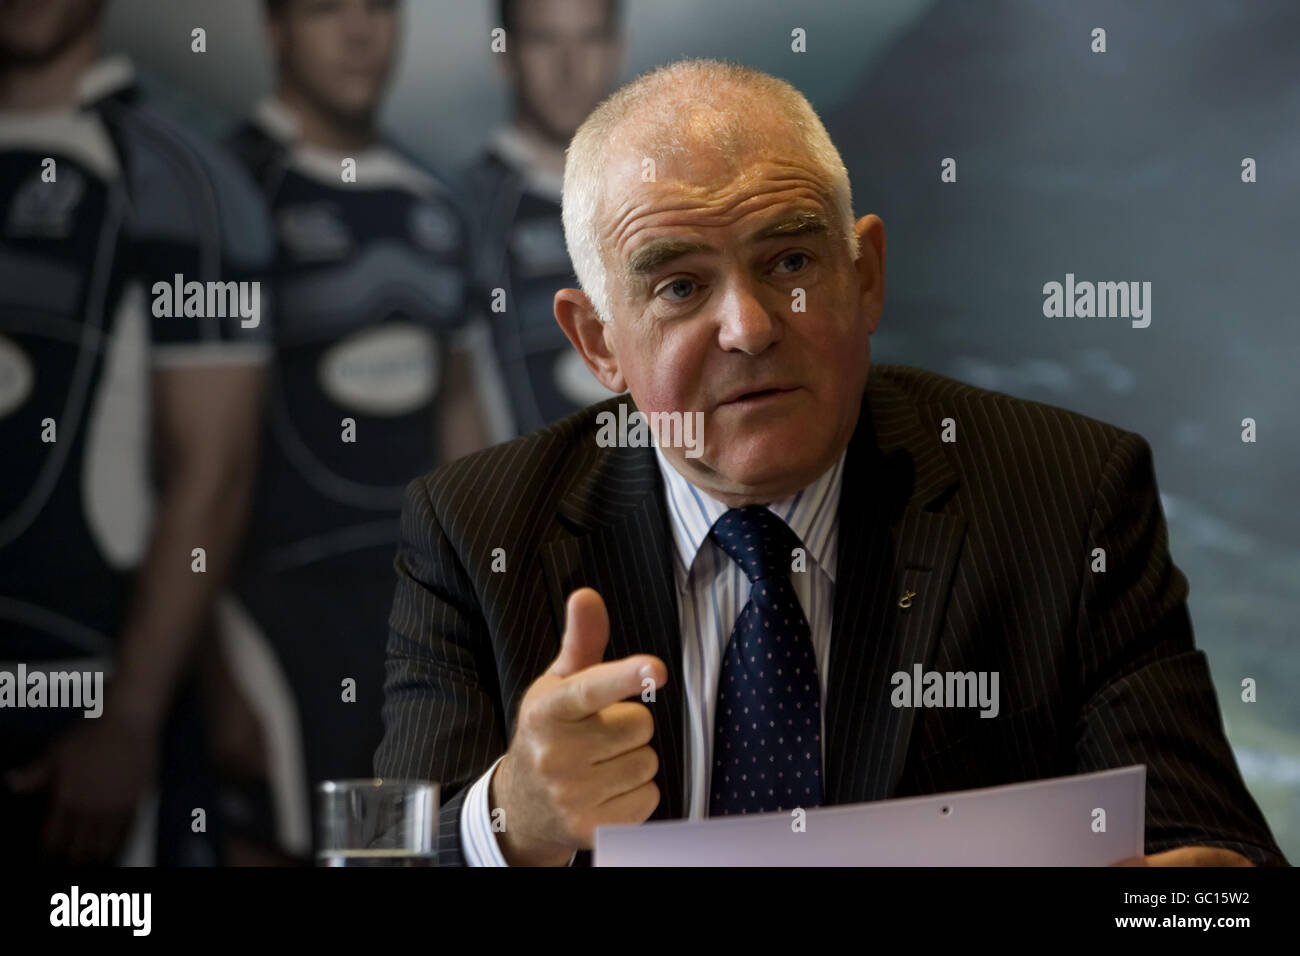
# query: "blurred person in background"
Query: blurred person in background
129,441
370,384
561,58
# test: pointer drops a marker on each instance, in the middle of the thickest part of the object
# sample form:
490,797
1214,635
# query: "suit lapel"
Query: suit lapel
614,538
890,541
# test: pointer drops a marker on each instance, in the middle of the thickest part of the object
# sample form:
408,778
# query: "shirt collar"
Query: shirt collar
811,514
521,155
104,78
80,133
276,119
377,166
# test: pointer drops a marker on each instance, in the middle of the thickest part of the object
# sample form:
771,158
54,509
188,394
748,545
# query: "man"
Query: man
368,386
560,57
823,539
102,204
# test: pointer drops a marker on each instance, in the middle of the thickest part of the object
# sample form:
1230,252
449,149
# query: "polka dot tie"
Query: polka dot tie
767,726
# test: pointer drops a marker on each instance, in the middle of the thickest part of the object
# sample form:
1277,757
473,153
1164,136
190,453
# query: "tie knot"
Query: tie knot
757,540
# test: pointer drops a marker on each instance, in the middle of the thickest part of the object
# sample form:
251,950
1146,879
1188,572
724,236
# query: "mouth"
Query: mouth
760,396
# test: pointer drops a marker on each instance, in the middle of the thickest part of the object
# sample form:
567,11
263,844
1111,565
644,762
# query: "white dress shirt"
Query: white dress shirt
711,592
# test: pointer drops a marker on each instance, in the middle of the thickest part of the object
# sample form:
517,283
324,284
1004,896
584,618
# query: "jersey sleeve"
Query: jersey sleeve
200,244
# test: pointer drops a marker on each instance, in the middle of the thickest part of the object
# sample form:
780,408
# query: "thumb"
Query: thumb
586,633
30,778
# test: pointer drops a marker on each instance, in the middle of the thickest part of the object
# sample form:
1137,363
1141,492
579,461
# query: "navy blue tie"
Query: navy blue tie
767,726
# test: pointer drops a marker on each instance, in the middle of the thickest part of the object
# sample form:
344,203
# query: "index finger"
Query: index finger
594,688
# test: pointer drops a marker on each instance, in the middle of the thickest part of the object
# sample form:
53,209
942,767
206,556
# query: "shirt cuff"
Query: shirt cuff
478,841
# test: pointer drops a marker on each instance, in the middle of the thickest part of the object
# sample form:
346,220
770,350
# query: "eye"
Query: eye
679,290
800,258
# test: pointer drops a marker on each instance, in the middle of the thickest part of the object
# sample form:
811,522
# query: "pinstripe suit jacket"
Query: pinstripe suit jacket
994,532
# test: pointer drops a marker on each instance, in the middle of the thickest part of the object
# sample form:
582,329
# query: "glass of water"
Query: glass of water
376,822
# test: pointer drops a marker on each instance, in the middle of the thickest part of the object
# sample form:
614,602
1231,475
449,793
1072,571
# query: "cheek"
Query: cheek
668,373
387,43
596,68
538,71
317,59
848,371
839,344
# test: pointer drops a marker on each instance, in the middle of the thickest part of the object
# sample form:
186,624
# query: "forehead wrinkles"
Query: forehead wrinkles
712,206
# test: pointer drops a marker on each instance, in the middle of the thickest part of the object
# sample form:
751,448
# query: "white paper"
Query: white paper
1056,822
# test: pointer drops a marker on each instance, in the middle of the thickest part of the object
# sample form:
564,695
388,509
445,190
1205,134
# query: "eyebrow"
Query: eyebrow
654,255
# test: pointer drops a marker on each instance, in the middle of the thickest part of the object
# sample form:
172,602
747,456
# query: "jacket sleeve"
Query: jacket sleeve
1146,689
440,721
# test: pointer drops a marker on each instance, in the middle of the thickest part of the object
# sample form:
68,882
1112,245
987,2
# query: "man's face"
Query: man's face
33,31
703,268
562,57
337,53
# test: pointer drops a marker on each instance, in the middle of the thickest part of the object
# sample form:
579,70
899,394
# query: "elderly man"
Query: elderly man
757,598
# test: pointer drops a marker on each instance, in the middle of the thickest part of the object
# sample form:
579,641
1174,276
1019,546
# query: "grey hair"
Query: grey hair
684,101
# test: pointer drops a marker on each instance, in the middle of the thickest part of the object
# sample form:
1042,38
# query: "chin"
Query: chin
354,102
773,458
561,127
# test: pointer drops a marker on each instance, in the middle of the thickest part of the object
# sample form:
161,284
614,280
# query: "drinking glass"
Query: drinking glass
376,822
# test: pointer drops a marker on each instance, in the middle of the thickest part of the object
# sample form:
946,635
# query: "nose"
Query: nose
745,324
358,23
566,61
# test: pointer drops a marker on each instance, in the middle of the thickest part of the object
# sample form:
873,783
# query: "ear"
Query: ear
870,268
590,336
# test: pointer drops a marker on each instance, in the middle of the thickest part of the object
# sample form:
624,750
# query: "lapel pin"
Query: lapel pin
906,600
